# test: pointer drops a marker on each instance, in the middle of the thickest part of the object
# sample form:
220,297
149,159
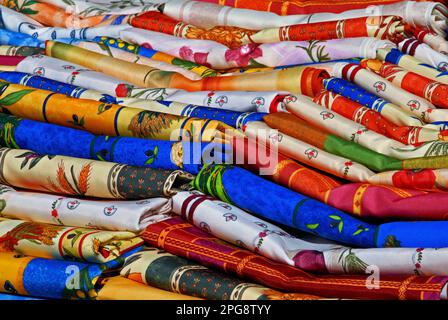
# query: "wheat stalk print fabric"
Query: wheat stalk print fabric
50,241
223,150
83,177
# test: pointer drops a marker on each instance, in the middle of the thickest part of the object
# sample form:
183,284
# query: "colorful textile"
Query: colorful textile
45,138
374,121
131,216
360,199
50,241
277,54
349,130
387,90
50,15
65,279
292,126
82,177
297,211
431,90
291,80
165,271
21,51
300,6
425,53
184,240
119,288
410,63
102,118
306,252
144,51
424,14
390,28
245,101
231,37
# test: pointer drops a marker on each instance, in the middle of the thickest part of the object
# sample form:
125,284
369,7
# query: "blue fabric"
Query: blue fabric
232,118
281,205
46,138
66,279
12,38
353,92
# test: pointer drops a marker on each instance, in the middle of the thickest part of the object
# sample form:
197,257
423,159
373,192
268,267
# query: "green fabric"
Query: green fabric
373,160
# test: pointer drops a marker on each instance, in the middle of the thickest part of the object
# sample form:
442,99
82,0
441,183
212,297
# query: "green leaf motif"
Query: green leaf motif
340,226
13,97
312,226
334,217
149,161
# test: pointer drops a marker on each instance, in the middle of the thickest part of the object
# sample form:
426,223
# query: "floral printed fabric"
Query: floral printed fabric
308,253
50,241
316,131
131,216
82,177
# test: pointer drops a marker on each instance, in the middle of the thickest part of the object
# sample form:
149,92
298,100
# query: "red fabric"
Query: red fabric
185,240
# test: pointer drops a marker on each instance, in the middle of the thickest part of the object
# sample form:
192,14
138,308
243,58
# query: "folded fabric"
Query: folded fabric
424,52
163,270
292,209
292,80
390,28
381,87
131,216
419,178
297,128
21,51
184,240
309,154
51,15
433,91
45,138
410,63
12,38
48,278
392,112
119,288
277,54
21,23
244,101
102,118
360,199
374,121
58,242
144,51
131,57
432,39
81,177
231,224
334,123
431,15
300,6
231,37
88,8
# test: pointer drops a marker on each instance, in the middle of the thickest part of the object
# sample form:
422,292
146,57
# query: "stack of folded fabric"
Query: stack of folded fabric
224,150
